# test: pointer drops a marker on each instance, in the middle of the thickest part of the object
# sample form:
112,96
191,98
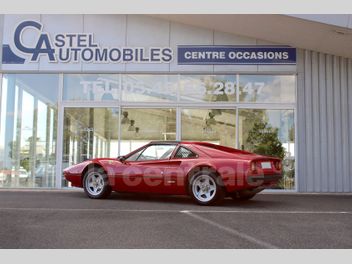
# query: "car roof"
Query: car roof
200,144
161,142
209,148
181,142
171,142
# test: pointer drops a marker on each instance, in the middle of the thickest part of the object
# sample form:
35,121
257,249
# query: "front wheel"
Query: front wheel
95,183
205,188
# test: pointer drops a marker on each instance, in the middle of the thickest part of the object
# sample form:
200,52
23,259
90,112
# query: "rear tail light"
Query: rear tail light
278,165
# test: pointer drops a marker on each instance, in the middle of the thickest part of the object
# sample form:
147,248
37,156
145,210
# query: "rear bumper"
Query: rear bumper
264,179
247,182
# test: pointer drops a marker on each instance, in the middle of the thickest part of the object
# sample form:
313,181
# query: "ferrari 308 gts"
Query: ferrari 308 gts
205,171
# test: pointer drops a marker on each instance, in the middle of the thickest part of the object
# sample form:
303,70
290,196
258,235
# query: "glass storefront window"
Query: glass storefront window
191,88
141,125
208,88
146,106
149,88
271,133
28,130
89,133
267,88
91,87
211,125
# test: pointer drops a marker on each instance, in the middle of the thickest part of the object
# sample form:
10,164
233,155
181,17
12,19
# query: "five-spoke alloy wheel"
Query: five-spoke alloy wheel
205,188
95,183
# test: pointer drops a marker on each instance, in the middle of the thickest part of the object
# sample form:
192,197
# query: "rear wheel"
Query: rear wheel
205,189
95,183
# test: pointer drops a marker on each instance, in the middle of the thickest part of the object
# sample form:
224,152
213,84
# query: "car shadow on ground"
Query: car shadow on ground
256,202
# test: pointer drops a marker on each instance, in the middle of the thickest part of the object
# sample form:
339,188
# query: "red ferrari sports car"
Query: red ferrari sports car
205,171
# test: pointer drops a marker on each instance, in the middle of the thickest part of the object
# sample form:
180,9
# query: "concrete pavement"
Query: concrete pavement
68,219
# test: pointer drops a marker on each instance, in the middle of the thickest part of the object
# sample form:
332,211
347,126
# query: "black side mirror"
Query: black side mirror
121,158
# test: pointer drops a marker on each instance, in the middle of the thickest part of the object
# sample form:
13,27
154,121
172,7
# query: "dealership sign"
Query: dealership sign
196,54
76,47
29,43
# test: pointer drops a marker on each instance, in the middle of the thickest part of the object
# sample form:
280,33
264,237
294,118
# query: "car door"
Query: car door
175,170
145,171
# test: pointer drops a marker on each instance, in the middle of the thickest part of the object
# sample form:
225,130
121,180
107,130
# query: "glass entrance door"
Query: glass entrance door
89,133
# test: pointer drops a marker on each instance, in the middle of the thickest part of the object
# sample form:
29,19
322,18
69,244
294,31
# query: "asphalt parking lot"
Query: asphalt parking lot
67,219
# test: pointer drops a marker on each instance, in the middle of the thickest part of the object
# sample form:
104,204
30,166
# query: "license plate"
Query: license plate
266,165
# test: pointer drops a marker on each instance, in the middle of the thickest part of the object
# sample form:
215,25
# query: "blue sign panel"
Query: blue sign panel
229,54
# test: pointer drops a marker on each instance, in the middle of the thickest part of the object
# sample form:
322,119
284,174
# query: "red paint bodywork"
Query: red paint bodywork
170,176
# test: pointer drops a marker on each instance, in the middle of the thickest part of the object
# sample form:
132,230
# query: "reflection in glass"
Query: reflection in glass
267,88
271,133
89,133
91,87
149,88
28,130
146,124
211,125
154,152
208,88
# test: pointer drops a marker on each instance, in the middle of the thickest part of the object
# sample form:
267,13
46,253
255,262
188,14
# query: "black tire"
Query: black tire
243,195
215,184
100,174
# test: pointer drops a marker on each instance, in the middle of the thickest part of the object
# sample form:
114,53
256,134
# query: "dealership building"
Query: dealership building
76,87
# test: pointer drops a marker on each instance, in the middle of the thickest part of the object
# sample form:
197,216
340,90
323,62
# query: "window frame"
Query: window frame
182,146
142,149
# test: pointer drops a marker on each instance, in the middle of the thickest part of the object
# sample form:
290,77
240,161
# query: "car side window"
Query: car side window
157,152
135,156
184,153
